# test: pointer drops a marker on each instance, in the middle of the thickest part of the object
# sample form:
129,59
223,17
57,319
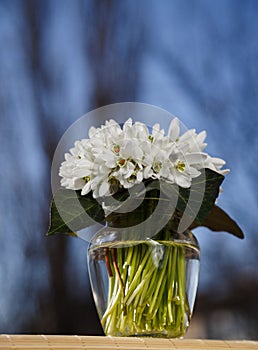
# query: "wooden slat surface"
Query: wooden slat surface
55,342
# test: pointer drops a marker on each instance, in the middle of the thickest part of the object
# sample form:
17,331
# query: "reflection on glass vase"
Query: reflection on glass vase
144,288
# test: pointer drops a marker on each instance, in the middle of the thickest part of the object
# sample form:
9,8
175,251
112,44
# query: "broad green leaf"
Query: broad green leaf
71,212
195,202
219,220
201,195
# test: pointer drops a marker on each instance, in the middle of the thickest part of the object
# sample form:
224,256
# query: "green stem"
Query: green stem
147,292
137,277
171,283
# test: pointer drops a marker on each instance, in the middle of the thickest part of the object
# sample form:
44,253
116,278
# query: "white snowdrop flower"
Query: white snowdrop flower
119,157
156,134
135,131
156,162
216,164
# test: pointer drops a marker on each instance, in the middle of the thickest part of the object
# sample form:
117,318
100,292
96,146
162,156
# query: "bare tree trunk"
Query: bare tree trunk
57,298
115,33
113,52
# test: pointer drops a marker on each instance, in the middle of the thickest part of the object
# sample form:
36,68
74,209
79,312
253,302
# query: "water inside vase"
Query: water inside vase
144,288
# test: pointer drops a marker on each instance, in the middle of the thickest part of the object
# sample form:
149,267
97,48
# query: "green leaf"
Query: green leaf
204,191
193,204
219,220
197,201
71,212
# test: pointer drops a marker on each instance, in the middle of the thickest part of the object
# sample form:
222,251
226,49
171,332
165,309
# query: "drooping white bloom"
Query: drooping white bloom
119,157
174,130
216,164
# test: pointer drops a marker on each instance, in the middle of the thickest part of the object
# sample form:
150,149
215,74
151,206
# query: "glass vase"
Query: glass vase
145,287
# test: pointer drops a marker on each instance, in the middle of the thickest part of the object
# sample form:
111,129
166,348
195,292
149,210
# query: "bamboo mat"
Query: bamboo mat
55,342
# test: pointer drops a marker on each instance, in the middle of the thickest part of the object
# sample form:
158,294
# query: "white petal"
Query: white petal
86,189
103,188
188,136
201,137
139,176
174,129
78,184
81,172
127,124
155,129
217,161
195,158
194,172
182,180
157,133
92,131
224,171
147,172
